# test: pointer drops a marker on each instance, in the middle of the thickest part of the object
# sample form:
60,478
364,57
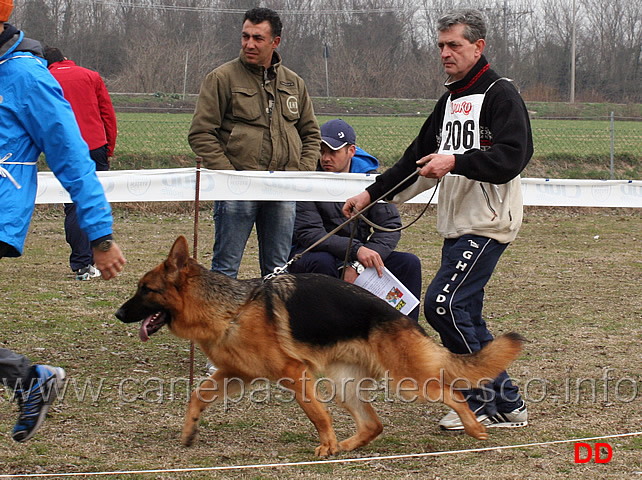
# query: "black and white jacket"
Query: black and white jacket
483,196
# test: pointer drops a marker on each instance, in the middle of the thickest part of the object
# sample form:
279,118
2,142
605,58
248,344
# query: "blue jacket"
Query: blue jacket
363,162
35,118
316,219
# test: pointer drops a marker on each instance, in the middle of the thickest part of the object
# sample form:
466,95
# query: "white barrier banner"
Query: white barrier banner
163,185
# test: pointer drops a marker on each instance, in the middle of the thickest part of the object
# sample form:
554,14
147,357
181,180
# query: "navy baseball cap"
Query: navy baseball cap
337,134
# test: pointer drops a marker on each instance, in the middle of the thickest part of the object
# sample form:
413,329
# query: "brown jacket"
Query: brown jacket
234,128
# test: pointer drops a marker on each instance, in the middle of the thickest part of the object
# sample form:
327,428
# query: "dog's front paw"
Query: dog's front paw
477,431
326,450
482,436
189,436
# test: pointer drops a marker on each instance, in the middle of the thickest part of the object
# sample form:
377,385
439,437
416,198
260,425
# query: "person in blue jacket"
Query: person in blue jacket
370,247
35,118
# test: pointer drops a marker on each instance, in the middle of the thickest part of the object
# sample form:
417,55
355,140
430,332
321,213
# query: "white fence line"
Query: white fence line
164,185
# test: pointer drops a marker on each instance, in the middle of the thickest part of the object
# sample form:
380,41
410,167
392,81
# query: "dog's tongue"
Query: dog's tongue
143,329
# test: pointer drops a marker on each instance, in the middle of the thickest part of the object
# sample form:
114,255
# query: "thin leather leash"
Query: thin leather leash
280,270
383,229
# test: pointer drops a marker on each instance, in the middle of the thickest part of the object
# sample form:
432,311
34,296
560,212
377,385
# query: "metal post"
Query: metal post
612,143
505,33
197,196
573,57
185,74
326,54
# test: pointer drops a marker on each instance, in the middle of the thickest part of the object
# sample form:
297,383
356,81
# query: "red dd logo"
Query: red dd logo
584,452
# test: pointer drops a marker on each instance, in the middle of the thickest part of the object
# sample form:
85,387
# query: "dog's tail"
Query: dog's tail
483,365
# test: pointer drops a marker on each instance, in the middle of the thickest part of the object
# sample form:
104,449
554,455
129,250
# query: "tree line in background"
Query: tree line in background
350,48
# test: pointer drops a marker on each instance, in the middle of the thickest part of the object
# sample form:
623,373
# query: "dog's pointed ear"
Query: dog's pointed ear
179,253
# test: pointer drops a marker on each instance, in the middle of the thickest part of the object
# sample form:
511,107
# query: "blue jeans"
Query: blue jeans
233,222
81,253
453,307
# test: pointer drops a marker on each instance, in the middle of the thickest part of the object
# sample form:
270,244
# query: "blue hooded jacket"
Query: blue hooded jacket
315,219
363,162
35,118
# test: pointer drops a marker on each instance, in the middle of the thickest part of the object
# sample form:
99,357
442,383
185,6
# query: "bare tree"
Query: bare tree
614,38
38,20
378,48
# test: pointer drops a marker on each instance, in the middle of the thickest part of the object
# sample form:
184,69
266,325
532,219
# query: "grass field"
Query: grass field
161,139
571,283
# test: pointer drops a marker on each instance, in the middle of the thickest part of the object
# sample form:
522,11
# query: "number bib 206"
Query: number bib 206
460,130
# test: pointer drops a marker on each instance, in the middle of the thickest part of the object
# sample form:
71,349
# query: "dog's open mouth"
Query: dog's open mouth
152,324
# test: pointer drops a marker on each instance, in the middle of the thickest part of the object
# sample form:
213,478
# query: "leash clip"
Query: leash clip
277,271
283,269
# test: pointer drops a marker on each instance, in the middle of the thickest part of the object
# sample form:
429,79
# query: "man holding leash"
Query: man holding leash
370,247
475,143
36,118
253,113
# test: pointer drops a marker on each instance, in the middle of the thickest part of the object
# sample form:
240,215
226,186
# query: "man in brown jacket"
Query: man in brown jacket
254,114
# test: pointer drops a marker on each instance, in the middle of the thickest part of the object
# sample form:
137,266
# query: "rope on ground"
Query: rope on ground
317,462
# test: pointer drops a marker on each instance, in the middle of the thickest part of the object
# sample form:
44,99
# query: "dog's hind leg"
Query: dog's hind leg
300,382
212,390
434,391
367,422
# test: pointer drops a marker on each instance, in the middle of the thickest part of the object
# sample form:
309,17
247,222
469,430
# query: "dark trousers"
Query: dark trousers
15,369
405,266
453,307
81,253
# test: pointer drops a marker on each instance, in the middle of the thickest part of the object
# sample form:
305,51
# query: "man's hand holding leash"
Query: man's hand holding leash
356,204
436,165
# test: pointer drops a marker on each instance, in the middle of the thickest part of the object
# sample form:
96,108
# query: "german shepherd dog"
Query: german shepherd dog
299,327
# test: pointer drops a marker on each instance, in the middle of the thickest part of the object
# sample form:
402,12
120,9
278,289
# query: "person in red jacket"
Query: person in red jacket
90,101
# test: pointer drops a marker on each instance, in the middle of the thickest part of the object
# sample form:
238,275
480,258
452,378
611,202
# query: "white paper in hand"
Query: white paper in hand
389,288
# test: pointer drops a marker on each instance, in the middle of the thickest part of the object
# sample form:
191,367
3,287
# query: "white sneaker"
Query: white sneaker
515,419
451,421
211,369
87,273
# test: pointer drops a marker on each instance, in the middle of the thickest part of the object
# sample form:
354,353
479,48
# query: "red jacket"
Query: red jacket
90,101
